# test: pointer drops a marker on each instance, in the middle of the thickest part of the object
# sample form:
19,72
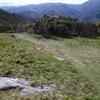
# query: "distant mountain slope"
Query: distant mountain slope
91,10
90,6
88,11
36,11
93,16
7,18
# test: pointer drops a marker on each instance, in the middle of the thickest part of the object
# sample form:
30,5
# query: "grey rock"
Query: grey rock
12,83
26,89
38,89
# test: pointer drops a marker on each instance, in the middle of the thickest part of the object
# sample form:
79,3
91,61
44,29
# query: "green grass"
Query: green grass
20,58
85,53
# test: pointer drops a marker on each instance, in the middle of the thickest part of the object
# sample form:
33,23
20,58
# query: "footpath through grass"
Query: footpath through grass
83,53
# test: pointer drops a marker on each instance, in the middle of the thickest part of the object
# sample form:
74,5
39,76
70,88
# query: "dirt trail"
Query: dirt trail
44,44
51,46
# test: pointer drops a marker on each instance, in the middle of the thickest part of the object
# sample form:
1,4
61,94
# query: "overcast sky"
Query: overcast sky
24,2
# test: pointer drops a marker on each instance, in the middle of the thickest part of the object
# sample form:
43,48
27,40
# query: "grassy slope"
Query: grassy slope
81,52
85,54
22,58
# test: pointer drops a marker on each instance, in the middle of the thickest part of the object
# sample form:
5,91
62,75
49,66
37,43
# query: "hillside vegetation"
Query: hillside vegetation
11,18
21,57
62,27
9,21
48,26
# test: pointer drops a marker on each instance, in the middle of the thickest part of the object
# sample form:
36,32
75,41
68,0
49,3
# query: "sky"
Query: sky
25,2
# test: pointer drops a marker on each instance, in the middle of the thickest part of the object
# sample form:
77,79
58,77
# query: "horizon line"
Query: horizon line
11,4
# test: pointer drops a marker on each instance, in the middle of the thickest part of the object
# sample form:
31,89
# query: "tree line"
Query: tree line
63,27
56,26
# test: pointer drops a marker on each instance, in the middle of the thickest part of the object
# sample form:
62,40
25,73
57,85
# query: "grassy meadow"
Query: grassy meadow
72,64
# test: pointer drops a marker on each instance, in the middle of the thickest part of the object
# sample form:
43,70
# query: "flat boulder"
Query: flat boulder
38,89
7,83
25,89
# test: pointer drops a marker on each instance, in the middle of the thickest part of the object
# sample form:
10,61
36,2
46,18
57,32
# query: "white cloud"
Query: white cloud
24,2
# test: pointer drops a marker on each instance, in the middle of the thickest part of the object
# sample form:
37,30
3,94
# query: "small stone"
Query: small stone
60,58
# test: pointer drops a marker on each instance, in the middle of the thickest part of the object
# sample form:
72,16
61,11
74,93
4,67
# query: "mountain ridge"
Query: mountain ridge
88,11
